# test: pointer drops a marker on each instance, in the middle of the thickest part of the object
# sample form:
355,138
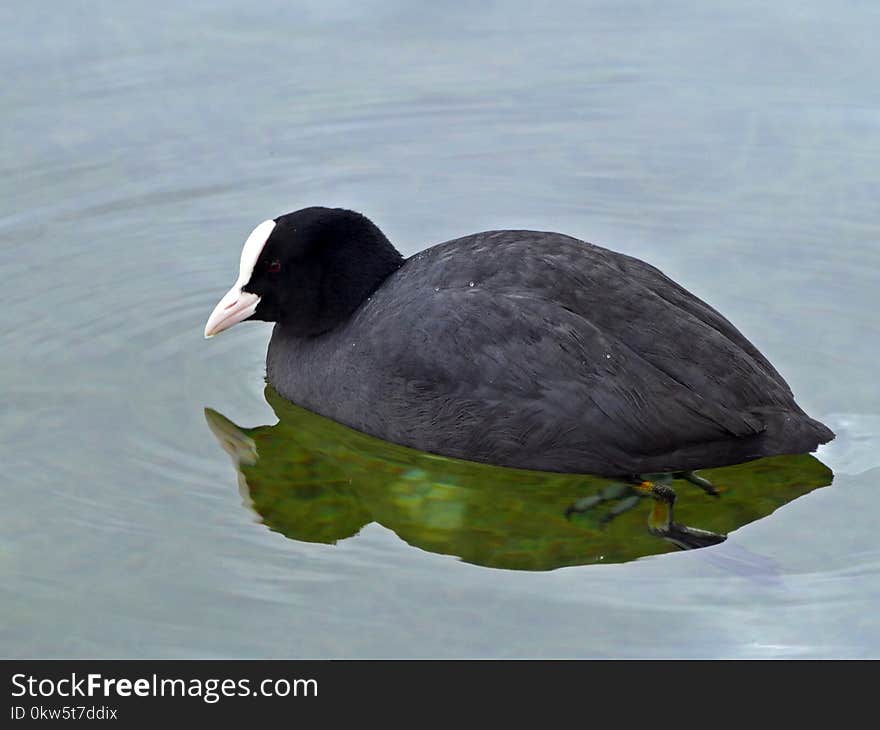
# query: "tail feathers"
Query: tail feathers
794,433
823,433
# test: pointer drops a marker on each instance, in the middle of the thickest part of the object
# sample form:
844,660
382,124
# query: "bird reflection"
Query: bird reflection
312,479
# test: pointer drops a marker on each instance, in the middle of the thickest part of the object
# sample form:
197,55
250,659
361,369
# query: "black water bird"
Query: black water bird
517,348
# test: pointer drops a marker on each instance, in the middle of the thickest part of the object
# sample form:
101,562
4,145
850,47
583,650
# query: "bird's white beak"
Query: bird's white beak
236,305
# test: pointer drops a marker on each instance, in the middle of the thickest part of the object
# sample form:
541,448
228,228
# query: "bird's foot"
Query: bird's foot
661,521
622,495
701,482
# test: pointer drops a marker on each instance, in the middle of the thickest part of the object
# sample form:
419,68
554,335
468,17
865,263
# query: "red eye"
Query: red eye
275,267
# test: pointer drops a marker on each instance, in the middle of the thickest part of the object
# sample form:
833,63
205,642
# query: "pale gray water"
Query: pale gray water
736,145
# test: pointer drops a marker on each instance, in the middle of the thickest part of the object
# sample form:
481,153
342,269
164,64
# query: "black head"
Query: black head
308,270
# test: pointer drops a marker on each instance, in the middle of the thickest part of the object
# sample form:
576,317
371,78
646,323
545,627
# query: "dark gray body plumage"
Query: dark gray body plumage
540,351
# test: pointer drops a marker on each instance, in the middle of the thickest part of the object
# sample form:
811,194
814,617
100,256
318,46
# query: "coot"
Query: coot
517,348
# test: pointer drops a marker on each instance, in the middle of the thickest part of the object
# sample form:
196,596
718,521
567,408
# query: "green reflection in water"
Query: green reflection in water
312,479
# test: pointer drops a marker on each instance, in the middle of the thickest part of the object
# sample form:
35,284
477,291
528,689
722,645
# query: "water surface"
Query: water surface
734,145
